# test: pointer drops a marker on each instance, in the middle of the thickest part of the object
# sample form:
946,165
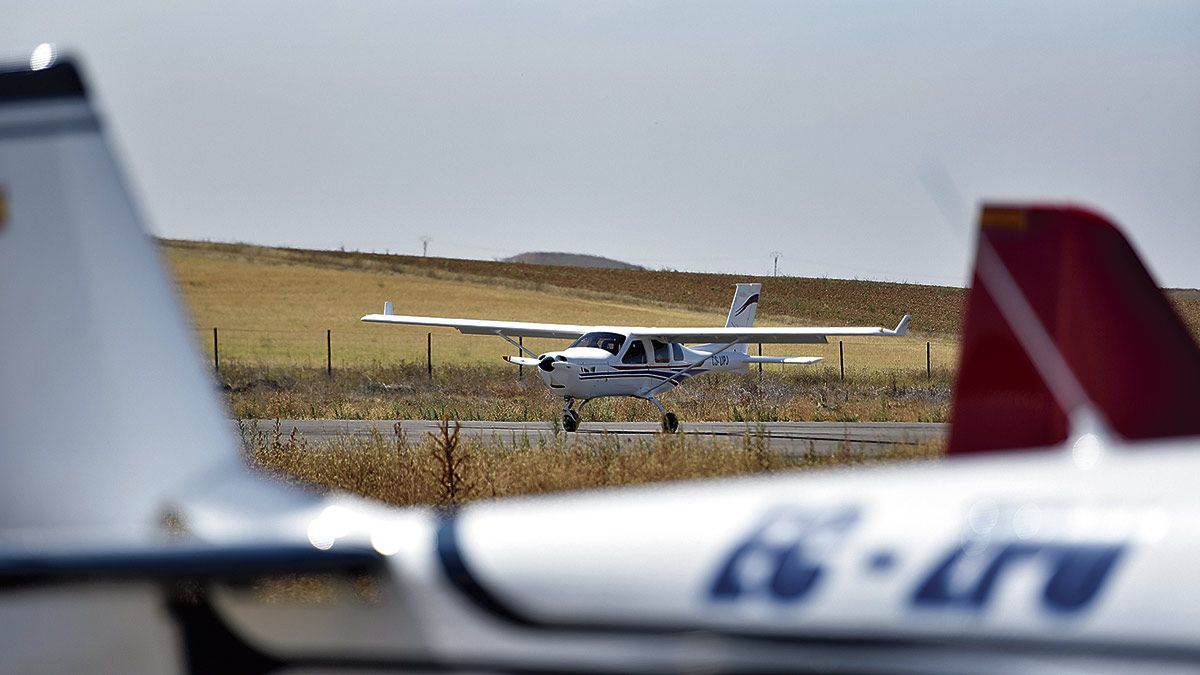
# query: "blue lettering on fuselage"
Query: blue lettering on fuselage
1075,574
783,558
788,556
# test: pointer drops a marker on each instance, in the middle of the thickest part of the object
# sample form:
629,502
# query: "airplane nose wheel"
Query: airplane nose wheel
570,420
570,417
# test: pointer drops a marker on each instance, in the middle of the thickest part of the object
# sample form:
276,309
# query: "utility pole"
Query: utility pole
425,245
775,255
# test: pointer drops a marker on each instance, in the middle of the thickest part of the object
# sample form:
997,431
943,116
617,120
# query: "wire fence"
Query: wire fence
357,348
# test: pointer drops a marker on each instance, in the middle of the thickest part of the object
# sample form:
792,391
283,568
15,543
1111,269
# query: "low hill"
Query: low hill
569,260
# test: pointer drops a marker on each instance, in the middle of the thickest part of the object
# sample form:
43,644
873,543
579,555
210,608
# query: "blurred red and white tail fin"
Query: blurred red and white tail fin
1063,318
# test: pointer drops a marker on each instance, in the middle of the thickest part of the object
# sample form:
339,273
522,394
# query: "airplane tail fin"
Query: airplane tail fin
742,310
1061,317
744,307
105,408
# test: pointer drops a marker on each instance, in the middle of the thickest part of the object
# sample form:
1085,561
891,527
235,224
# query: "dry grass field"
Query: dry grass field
277,314
936,310
272,309
804,300
441,469
465,392
273,306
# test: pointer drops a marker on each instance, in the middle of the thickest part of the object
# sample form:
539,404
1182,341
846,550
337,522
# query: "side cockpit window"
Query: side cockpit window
609,342
662,351
678,349
636,353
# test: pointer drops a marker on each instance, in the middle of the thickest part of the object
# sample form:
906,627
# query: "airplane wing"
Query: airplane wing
485,327
781,335
768,335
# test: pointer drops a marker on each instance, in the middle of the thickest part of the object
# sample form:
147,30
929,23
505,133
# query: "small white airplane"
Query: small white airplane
1061,535
642,361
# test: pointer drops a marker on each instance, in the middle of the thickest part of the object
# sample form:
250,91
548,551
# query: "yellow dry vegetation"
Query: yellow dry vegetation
276,313
439,468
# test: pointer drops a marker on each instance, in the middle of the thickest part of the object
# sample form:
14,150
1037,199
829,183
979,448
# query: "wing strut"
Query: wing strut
687,370
518,345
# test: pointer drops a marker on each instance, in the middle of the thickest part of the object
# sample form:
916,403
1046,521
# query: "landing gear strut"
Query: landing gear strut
670,423
570,418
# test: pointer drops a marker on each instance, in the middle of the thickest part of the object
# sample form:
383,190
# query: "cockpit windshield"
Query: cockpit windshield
609,342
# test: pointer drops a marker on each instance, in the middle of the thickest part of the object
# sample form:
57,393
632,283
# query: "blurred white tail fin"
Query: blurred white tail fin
105,409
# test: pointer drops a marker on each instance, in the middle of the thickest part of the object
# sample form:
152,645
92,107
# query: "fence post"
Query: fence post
842,360
520,352
760,364
216,354
429,354
328,352
928,362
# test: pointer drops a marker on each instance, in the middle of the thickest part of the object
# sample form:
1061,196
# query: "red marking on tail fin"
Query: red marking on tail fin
1115,329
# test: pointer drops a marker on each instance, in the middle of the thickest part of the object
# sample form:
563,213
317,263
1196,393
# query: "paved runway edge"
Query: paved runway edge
786,437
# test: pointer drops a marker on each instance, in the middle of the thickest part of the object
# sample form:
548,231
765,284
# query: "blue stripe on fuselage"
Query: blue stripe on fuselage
660,374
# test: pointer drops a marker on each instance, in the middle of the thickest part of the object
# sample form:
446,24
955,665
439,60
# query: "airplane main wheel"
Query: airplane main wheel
570,420
670,423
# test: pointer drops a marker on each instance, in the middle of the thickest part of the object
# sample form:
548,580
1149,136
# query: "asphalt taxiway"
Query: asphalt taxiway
787,437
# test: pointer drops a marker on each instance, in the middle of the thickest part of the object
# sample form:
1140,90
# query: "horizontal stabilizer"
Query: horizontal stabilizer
797,360
192,562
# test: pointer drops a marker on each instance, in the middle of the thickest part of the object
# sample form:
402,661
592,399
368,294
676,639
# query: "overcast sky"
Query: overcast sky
697,136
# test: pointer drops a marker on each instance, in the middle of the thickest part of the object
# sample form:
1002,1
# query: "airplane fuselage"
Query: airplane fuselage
653,369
